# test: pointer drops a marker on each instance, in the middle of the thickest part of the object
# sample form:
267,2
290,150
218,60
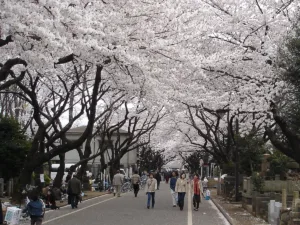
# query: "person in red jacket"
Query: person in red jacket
196,188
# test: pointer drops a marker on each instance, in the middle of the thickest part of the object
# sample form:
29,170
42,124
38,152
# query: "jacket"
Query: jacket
181,185
151,185
74,186
135,179
173,183
118,179
199,185
35,208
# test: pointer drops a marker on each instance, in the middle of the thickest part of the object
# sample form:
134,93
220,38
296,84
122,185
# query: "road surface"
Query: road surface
128,210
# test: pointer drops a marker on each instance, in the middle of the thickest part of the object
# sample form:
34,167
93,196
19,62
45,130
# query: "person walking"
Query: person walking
181,188
135,180
197,190
118,181
173,181
74,190
36,210
151,186
158,179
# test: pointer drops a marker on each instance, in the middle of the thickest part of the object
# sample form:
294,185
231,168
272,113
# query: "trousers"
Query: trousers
174,197
151,195
74,200
181,196
196,201
136,188
118,190
36,221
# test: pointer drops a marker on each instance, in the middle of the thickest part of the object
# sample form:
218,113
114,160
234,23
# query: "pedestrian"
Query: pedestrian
167,177
173,181
74,190
51,200
36,210
197,190
118,181
151,186
135,180
158,179
181,188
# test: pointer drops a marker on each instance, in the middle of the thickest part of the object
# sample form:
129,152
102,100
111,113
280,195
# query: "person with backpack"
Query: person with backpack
36,210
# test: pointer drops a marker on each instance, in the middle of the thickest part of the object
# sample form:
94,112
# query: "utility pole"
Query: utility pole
237,180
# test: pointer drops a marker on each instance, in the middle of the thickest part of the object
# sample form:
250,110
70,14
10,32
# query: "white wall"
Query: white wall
73,157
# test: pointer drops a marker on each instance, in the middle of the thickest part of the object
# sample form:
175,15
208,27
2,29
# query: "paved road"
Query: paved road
127,210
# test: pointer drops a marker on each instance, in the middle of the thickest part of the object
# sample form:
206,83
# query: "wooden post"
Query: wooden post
284,199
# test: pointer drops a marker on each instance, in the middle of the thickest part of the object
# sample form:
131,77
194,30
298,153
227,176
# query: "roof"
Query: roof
81,129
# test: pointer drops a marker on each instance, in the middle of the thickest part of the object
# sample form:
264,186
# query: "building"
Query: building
128,161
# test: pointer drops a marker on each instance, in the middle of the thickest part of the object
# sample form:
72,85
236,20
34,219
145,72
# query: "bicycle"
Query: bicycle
143,184
126,187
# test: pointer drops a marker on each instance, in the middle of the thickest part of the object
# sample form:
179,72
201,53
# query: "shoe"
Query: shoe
148,207
181,208
174,205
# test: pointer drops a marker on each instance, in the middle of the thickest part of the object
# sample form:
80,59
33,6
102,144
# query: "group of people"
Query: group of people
179,186
36,206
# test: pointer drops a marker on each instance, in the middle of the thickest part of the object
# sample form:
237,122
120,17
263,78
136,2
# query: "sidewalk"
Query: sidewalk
235,212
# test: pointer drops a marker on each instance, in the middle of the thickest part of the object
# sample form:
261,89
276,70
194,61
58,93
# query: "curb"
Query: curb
223,212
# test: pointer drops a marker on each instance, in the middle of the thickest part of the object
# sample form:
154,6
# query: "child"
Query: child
36,210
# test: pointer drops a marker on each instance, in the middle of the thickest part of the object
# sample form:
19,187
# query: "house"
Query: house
128,161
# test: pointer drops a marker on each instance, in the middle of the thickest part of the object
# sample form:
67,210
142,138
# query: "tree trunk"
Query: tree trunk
115,165
60,173
37,181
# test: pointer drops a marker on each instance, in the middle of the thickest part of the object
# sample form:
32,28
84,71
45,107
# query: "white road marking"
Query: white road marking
77,210
190,215
219,213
